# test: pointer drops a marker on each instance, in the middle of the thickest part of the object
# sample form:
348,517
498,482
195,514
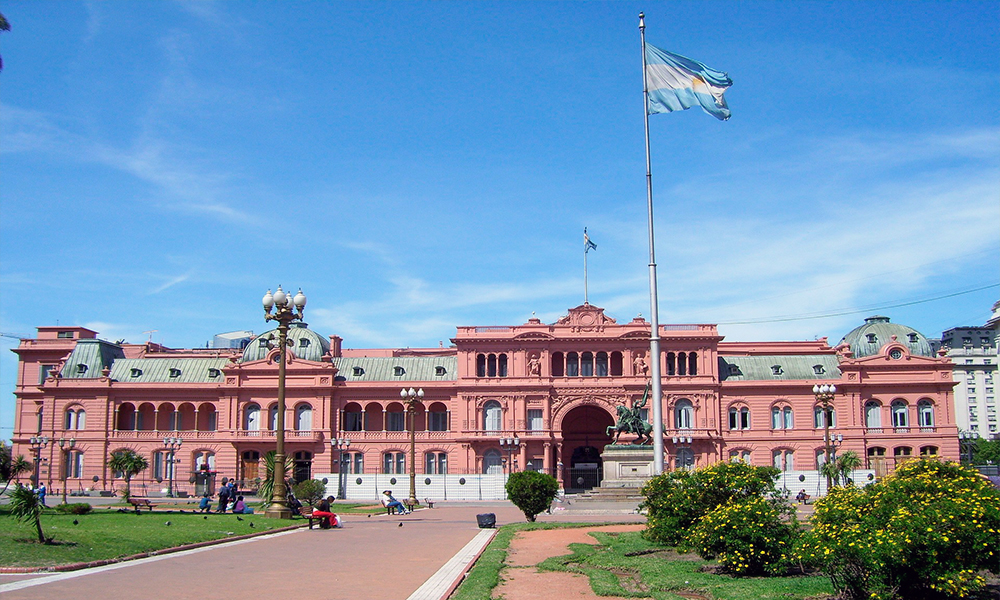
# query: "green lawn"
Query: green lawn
624,564
107,533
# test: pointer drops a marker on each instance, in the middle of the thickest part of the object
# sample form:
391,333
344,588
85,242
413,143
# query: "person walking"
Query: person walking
223,498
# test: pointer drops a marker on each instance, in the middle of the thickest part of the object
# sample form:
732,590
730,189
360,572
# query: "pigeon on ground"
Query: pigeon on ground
401,524
239,518
168,523
75,522
251,523
205,517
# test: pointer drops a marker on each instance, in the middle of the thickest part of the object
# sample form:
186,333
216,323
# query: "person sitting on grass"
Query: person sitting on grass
240,507
206,504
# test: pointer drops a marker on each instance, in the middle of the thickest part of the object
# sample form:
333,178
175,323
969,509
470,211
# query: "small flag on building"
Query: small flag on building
587,244
674,82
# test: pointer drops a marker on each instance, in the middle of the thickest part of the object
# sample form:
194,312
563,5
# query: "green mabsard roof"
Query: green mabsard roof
89,357
168,370
868,339
414,368
790,367
306,344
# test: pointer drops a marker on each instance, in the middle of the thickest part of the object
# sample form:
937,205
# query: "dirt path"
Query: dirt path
520,580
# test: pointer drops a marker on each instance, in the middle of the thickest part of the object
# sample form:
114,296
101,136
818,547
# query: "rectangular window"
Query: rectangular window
65,335
535,419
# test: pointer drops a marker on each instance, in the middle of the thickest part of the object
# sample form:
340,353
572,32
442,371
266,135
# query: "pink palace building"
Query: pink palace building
502,398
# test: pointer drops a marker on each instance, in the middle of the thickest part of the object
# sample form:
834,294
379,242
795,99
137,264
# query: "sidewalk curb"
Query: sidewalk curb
111,561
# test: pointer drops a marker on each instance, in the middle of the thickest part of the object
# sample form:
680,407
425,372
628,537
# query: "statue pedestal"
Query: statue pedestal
626,466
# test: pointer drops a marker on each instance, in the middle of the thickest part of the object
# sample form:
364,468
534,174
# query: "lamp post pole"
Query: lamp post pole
37,444
824,395
173,444
341,446
286,310
967,443
66,446
682,442
411,396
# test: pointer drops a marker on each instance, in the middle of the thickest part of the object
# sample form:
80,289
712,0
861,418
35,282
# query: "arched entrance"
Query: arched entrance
584,432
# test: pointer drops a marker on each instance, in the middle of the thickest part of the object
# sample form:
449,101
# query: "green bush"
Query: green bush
77,508
677,500
310,491
925,531
532,492
750,536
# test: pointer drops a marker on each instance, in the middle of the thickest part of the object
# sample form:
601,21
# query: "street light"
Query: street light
824,395
173,444
510,445
683,446
341,445
66,446
967,443
37,444
411,396
286,310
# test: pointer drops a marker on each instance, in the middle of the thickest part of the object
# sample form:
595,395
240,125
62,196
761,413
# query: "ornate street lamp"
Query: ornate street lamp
411,396
37,444
510,445
824,395
173,444
286,310
683,442
341,445
66,446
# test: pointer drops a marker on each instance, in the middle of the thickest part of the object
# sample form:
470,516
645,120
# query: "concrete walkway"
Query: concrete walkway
416,557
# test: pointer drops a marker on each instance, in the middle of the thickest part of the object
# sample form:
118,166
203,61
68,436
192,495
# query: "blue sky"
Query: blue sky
416,166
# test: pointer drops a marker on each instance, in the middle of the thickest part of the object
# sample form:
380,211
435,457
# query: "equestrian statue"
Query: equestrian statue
630,421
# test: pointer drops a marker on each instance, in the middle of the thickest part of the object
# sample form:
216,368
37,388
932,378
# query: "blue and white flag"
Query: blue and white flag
587,244
678,83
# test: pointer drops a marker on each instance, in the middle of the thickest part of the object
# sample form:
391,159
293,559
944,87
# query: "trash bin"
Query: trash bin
487,520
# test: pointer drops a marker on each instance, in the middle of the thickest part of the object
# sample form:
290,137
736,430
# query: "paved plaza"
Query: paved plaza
370,558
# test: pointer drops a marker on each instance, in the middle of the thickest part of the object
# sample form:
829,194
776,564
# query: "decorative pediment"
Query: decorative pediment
534,335
586,318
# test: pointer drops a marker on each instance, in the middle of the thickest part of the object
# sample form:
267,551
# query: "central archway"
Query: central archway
584,433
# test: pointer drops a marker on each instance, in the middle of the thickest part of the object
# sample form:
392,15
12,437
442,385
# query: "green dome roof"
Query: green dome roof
305,344
870,338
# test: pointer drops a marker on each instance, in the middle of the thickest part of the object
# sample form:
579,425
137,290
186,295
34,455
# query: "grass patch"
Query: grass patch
624,564
107,533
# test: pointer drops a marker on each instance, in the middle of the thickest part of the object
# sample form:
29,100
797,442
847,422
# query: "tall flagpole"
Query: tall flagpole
654,332
585,248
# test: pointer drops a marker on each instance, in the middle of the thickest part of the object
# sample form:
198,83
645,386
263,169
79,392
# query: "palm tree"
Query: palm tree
129,463
840,468
27,508
11,468
266,491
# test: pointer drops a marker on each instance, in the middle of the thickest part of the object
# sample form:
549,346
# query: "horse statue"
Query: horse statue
630,421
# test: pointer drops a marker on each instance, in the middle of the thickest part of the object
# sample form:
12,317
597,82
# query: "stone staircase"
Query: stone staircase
625,495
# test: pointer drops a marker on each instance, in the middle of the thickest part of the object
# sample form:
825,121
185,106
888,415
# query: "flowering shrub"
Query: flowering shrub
752,536
677,500
925,531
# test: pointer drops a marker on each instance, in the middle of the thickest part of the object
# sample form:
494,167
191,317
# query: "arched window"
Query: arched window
250,465
617,364
204,457
251,417
587,364
739,417
684,414
681,363
739,455
394,463
781,417
395,417
492,462
502,365
873,414
925,413
928,451
435,463
74,464
353,420
572,365
126,417
671,363
557,364
692,364
601,364
491,365
303,417
492,414
76,418
900,416
783,459
438,416
480,365
819,416
272,413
